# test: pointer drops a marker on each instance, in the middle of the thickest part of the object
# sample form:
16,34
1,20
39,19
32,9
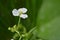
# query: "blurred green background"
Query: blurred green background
43,14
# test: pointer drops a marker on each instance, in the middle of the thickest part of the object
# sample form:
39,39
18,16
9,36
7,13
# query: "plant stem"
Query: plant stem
20,38
32,30
18,33
19,21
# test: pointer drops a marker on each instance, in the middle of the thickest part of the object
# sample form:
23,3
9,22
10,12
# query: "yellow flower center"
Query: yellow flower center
20,12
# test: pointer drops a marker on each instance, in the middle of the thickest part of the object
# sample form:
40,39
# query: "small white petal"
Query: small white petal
24,16
12,39
15,12
23,10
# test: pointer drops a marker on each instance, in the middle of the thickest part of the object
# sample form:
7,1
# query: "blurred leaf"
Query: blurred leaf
48,20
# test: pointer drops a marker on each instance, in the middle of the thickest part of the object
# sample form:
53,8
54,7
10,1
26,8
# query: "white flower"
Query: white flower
24,16
20,12
15,12
23,10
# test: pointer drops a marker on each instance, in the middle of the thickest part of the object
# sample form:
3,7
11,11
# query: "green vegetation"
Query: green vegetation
43,14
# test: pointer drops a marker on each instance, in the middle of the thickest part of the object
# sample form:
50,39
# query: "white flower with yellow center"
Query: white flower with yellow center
20,12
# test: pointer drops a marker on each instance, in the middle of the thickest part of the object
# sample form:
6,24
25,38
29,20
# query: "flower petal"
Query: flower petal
12,39
23,10
15,12
24,16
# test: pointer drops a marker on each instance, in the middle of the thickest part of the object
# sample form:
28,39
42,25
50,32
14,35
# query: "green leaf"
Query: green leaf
48,20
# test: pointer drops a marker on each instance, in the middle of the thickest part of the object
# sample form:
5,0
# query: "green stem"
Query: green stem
18,33
20,37
19,21
32,30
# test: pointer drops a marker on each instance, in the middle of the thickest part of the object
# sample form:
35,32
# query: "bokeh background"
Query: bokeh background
43,14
